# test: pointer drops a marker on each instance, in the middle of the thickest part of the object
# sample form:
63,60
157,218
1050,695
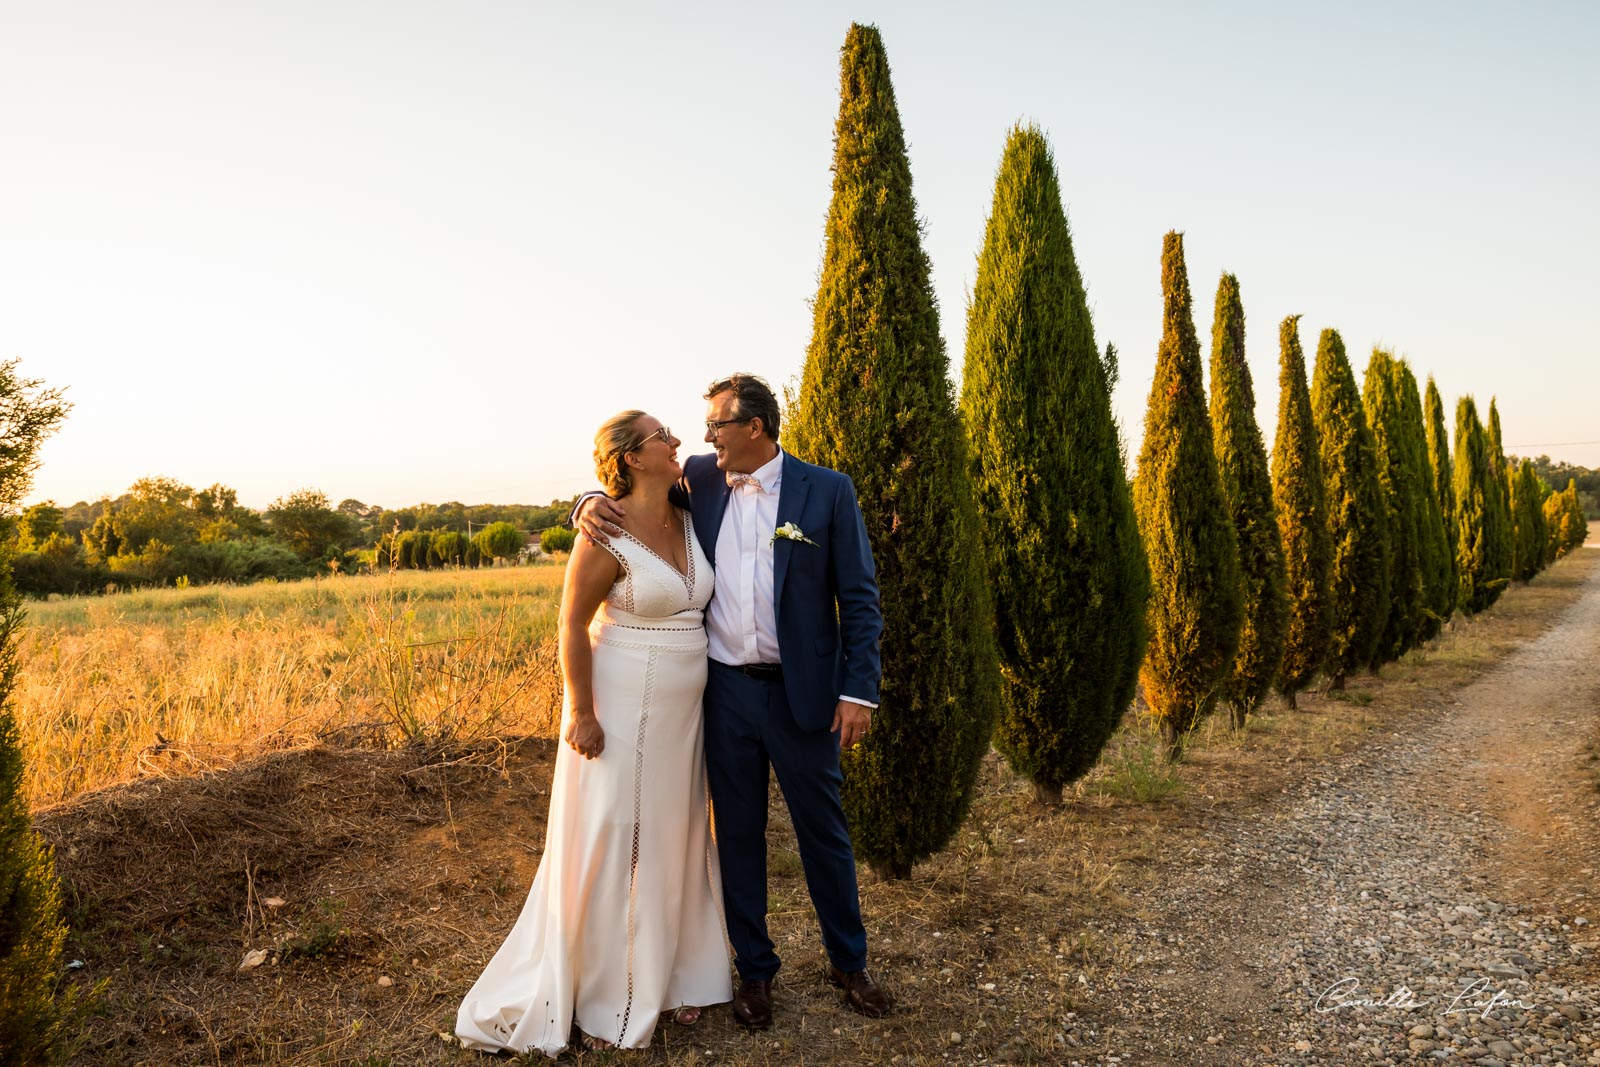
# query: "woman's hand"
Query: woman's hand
585,736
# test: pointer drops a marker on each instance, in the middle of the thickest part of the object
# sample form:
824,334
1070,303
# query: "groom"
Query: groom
793,676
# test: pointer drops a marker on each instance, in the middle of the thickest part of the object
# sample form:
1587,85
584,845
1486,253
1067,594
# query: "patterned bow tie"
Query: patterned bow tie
739,481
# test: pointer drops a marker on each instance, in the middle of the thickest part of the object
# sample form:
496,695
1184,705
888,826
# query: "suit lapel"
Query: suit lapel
721,493
708,502
791,503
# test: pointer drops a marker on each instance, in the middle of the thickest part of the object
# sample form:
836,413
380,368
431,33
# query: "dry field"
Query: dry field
175,681
379,880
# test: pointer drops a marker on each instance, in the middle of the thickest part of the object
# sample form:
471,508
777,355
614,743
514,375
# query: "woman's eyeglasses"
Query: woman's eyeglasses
661,431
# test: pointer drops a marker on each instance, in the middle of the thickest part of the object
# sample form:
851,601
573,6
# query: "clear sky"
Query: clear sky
418,251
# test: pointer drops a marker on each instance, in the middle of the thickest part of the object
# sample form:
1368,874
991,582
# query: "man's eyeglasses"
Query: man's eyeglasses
714,426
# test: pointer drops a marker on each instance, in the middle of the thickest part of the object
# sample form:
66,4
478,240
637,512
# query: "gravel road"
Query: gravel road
1428,898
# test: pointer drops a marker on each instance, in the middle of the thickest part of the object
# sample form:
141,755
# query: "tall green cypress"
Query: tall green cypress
1500,546
35,1019
1402,497
1298,497
1574,524
1527,523
31,929
1064,557
1195,609
1443,603
1247,493
876,402
1475,488
1435,550
1358,578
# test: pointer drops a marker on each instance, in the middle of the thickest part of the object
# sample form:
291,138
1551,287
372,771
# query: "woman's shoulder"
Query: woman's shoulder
595,558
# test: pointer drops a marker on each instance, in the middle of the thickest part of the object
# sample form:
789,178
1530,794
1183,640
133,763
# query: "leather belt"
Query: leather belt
767,672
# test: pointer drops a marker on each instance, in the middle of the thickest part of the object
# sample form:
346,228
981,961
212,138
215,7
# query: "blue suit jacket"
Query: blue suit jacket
826,594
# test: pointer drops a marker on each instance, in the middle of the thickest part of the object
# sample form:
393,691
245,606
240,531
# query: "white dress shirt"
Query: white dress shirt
742,619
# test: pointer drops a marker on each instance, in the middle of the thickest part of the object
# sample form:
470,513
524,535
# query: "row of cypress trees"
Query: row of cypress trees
1027,586
1370,538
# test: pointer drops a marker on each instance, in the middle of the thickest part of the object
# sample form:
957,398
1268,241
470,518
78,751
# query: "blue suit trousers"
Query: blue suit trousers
748,728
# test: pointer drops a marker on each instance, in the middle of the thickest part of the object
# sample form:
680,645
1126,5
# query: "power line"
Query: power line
1555,444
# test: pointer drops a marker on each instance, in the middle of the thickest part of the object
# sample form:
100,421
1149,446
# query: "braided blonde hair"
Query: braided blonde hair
612,442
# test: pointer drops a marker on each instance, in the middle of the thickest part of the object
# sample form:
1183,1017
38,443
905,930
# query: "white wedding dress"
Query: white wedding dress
624,920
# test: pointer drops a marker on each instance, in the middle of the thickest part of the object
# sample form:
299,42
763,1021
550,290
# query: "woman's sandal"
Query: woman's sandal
594,1044
687,1015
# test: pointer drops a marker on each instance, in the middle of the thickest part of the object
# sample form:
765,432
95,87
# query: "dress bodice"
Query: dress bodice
650,593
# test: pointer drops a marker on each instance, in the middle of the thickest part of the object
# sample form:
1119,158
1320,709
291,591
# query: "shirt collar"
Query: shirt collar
770,473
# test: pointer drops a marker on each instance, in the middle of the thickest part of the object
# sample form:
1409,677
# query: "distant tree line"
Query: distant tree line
163,532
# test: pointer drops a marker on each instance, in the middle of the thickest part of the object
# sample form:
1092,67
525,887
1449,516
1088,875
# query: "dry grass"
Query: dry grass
174,681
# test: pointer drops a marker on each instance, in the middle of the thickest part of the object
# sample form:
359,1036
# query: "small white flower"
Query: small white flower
790,532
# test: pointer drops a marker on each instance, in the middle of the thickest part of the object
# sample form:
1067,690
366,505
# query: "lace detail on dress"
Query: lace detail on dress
688,552
638,802
621,591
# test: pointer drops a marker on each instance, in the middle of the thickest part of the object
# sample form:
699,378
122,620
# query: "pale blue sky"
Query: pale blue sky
418,251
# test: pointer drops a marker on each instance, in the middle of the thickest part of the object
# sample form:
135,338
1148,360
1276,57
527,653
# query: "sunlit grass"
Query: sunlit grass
173,681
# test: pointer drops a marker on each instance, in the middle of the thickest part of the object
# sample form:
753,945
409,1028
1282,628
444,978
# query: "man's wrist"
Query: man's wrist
572,516
857,700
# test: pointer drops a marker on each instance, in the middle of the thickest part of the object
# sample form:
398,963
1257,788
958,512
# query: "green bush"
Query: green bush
500,540
556,539
449,547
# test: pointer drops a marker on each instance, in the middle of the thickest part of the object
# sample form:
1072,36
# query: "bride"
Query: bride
624,920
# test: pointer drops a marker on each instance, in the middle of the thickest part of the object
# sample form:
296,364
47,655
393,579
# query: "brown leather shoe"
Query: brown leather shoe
862,993
752,1003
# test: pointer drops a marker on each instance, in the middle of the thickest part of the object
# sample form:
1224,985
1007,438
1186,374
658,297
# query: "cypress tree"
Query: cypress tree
1475,488
1358,577
1575,527
1402,497
876,402
1435,551
34,1017
1247,494
31,929
1528,535
1195,611
1056,513
1298,497
1500,546
1443,602
1547,553
1555,509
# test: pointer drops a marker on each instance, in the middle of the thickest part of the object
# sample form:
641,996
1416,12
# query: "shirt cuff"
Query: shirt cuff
857,700
572,516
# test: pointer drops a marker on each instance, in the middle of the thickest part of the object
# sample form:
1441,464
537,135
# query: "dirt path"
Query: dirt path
1429,898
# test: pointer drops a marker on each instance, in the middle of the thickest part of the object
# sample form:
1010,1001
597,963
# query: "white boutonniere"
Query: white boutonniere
790,532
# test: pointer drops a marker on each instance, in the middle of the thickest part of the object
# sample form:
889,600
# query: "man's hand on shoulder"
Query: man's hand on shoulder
597,518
